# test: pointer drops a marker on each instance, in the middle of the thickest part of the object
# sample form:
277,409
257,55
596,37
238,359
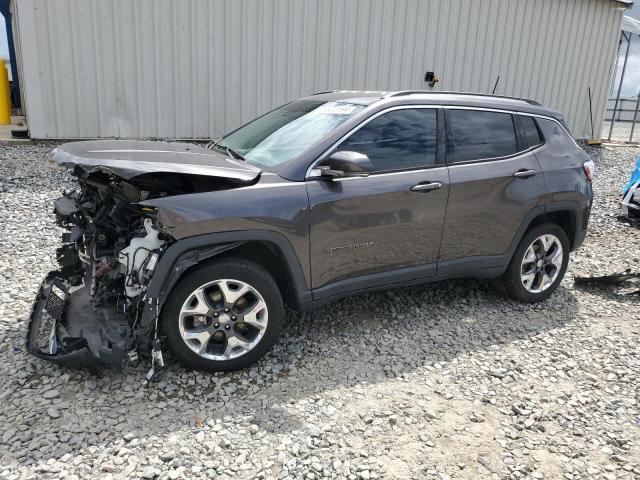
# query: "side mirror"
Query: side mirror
344,164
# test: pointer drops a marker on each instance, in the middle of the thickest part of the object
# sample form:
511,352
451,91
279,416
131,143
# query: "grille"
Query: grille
54,305
51,313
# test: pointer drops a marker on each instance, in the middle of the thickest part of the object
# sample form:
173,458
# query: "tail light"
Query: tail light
589,169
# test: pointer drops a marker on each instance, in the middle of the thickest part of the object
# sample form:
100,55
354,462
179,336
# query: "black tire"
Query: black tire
511,279
227,268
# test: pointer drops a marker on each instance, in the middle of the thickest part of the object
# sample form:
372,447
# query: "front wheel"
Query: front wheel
538,264
223,316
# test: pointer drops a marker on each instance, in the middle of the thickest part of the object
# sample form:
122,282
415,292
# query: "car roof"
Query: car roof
361,97
471,99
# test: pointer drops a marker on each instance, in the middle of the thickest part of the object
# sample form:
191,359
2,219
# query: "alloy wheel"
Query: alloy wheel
541,264
223,319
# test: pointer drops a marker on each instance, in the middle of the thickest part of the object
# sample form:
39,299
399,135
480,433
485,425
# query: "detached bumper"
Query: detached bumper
66,328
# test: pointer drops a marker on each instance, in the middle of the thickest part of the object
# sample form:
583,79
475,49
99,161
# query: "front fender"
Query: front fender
192,250
207,246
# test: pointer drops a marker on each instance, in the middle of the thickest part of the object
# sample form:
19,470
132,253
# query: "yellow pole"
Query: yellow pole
5,99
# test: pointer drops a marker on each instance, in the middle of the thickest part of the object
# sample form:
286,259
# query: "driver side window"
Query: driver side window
398,140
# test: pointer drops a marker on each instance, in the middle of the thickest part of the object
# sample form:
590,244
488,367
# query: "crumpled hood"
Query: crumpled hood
131,158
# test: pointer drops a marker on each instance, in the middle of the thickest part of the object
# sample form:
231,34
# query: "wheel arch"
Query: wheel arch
565,219
269,256
267,248
569,216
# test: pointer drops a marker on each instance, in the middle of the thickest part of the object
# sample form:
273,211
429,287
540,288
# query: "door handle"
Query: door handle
524,173
426,187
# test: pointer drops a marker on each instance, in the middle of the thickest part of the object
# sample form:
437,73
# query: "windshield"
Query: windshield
283,134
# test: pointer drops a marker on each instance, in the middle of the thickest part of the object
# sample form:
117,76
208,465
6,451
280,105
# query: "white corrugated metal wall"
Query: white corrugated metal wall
198,68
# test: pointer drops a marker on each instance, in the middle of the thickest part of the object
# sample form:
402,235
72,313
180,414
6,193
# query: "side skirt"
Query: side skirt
373,283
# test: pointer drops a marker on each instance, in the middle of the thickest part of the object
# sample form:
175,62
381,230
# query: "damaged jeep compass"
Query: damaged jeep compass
198,249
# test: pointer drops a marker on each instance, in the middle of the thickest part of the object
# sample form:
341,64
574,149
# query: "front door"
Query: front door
386,227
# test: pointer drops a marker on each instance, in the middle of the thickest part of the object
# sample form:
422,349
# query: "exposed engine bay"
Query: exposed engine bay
106,261
95,309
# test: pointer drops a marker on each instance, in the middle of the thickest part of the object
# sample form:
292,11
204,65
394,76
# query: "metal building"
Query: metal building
198,68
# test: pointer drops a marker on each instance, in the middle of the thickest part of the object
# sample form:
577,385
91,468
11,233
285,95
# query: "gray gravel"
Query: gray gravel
441,381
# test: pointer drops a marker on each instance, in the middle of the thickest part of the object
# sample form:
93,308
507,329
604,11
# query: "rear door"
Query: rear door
386,226
496,181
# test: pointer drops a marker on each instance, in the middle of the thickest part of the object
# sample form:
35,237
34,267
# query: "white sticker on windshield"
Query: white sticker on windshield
336,109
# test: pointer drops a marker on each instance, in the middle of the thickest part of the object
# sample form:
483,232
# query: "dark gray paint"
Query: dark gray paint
334,236
130,158
272,204
399,228
562,162
487,204
351,235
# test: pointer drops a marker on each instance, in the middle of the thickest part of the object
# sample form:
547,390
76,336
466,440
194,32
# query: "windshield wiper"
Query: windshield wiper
233,154
213,144
216,145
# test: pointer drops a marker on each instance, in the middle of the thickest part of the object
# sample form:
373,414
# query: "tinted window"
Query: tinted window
397,140
476,134
530,131
554,133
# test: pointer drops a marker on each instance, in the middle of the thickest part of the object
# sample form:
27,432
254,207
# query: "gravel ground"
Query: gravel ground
447,380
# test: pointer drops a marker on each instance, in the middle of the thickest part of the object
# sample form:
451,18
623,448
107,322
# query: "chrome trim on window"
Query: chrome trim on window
445,107
358,127
513,112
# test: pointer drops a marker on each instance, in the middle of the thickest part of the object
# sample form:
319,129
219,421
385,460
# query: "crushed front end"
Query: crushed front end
96,308
87,311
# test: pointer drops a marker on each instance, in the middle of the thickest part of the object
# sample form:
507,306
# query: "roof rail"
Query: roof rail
412,92
322,93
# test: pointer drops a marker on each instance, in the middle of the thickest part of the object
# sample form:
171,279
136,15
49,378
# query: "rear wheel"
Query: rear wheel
223,316
538,264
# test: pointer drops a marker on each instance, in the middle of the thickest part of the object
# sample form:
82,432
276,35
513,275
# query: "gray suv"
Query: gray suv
335,194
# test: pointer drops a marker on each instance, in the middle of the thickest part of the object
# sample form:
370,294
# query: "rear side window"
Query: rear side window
477,135
397,140
531,132
554,134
